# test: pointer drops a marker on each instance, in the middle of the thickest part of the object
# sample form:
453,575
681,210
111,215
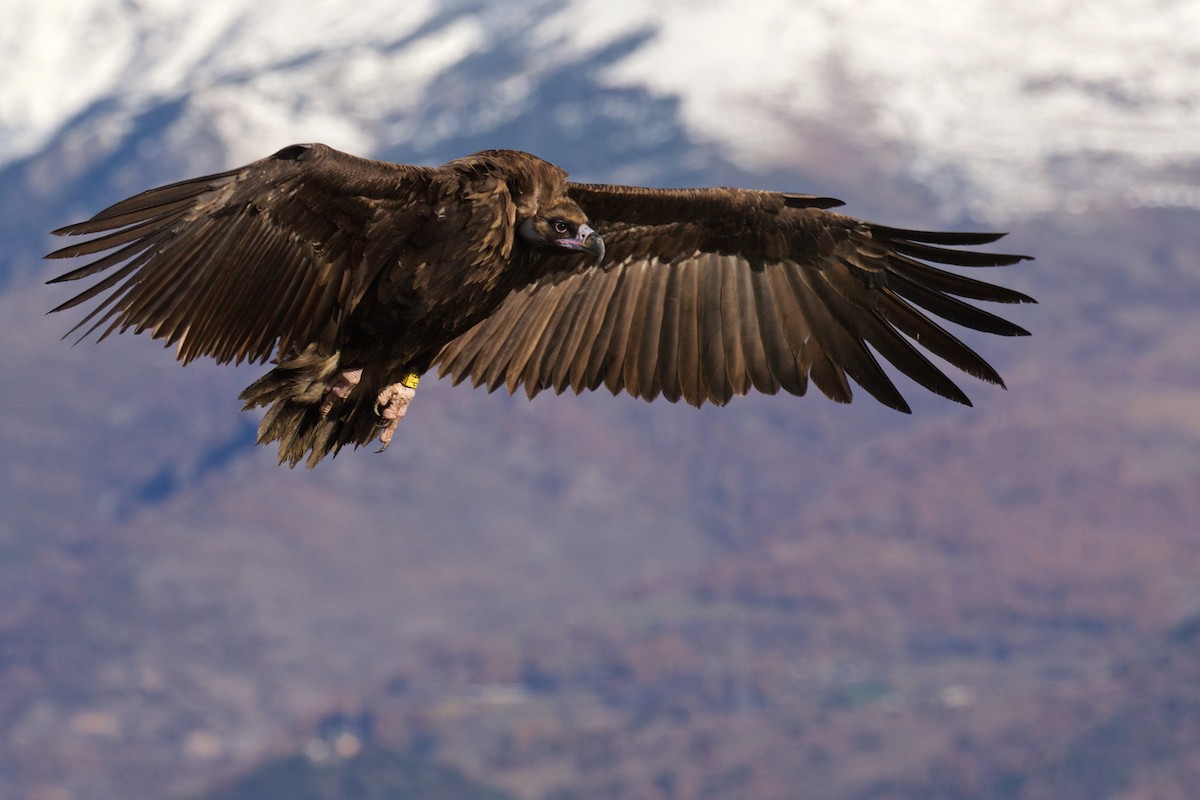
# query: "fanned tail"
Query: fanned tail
295,391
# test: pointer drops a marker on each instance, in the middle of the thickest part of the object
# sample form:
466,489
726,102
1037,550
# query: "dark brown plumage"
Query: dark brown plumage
355,276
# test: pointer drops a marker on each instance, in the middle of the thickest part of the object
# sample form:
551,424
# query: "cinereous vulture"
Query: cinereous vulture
355,277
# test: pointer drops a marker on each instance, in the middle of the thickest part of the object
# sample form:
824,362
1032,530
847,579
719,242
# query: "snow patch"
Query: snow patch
991,102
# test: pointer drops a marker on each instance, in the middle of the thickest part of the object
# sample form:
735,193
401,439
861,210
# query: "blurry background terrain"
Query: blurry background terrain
597,597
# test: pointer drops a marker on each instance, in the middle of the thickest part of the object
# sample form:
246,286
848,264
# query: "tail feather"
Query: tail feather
302,379
294,392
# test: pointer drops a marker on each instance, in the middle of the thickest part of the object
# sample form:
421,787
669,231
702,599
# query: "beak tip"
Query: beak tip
595,245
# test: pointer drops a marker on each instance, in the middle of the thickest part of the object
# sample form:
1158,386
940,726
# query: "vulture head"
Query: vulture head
563,227
547,218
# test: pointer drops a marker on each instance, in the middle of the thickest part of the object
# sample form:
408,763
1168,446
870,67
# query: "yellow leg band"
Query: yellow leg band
411,380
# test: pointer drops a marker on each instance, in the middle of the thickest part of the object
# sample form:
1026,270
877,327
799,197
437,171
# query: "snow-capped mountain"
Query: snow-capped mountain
1007,107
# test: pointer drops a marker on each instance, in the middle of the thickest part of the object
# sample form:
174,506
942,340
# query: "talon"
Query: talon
385,437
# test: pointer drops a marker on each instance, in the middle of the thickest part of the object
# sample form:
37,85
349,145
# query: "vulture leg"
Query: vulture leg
340,389
391,405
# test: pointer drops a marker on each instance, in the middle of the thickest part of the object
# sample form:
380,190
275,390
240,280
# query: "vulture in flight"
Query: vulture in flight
354,277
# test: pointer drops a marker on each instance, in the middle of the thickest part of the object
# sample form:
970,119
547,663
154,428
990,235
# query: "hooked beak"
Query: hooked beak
587,241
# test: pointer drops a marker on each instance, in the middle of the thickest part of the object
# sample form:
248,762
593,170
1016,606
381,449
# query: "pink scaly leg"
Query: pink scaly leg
340,389
392,404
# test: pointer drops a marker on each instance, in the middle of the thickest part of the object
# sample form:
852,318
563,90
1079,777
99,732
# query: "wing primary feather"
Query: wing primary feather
688,365
648,341
967,238
951,283
165,280
486,370
196,324
598,355
525,342
952,309
305,319
546,343
753,332
959,258
140,231
776,354
838,350
517,336
326,301
637,331
457,357
116,303
855,326
899,352
589,369
536,370
712,347
518,322
732,310
179,280
792,200
572,350
460,356
160,215
797,330
111,280
625,300
216,326
667,362
557,360
137,249
935,339
278,315
265,319
242,322
622,372
126,211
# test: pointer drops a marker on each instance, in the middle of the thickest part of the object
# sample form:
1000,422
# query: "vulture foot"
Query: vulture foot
391,406
340,389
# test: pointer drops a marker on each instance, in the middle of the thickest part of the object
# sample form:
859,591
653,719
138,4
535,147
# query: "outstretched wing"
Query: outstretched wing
236,265
708,293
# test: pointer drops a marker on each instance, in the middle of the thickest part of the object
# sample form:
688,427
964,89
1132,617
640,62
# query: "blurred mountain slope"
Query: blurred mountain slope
782,575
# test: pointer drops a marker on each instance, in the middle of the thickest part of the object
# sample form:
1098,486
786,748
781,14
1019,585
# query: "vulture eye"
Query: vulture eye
561,227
